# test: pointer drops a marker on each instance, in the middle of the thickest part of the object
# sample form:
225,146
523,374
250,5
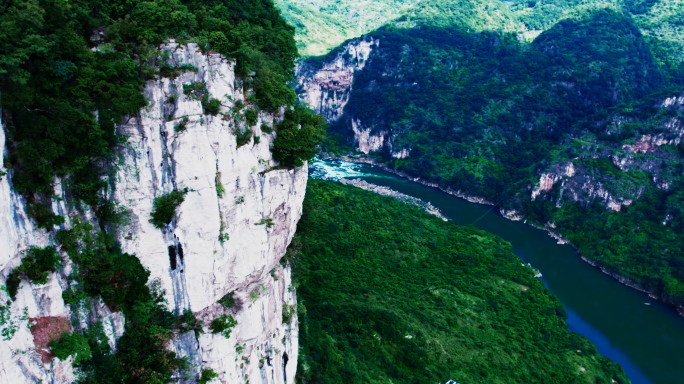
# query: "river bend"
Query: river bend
643,335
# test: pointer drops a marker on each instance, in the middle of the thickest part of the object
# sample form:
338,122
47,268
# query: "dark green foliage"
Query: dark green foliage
388,292
112,213
36,265
251,116
102,270
207,376
182,125
71,344
39,262
592,45
243,137
44,216
238,106
73,296
228,300
13,282
223,324
188,322
265,128
212,106
165,207
117,277
297,137
195,90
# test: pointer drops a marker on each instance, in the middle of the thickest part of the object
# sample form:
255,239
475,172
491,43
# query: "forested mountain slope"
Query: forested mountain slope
388,292
323,25
579,130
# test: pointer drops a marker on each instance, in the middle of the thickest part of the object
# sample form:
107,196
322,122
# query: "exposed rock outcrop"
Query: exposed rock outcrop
326,86
547,179
225,240
385,191
580,185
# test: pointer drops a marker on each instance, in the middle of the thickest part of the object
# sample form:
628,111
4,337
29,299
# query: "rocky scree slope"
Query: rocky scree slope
228,236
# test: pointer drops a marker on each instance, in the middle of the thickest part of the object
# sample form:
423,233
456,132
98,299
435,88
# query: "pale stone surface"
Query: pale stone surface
326,89
547,179
258,213
19,362
577,185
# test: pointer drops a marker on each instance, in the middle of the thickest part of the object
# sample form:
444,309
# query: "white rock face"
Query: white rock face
20,362
579,186
366,141
215,246
326,89
547,179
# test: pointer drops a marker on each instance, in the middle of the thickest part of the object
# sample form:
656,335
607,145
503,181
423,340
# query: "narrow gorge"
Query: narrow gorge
392,101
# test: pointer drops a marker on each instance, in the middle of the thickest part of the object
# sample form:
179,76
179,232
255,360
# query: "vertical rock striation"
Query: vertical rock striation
229,234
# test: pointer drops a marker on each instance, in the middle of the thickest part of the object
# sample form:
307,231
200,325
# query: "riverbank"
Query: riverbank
515,216
406,199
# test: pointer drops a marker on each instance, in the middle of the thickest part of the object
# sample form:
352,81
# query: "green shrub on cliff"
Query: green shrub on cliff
298,136
223,324
36,265
165,207
71,344
44,216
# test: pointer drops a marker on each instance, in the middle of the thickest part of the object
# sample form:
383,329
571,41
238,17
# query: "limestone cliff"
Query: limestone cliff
647,159
326,85
229,235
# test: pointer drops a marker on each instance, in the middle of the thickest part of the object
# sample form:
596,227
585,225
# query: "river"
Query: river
643,335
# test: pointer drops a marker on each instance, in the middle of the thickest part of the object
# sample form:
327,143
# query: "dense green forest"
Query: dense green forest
323,25
485,108
69,72
388,293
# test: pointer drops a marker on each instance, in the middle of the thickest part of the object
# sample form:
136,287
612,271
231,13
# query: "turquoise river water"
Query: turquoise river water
644,336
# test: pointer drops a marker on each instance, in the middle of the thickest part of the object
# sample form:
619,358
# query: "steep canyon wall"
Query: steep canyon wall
229,235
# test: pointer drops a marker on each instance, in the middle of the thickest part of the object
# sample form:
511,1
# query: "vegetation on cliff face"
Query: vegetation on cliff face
483,110
57,89
69,72
387,292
